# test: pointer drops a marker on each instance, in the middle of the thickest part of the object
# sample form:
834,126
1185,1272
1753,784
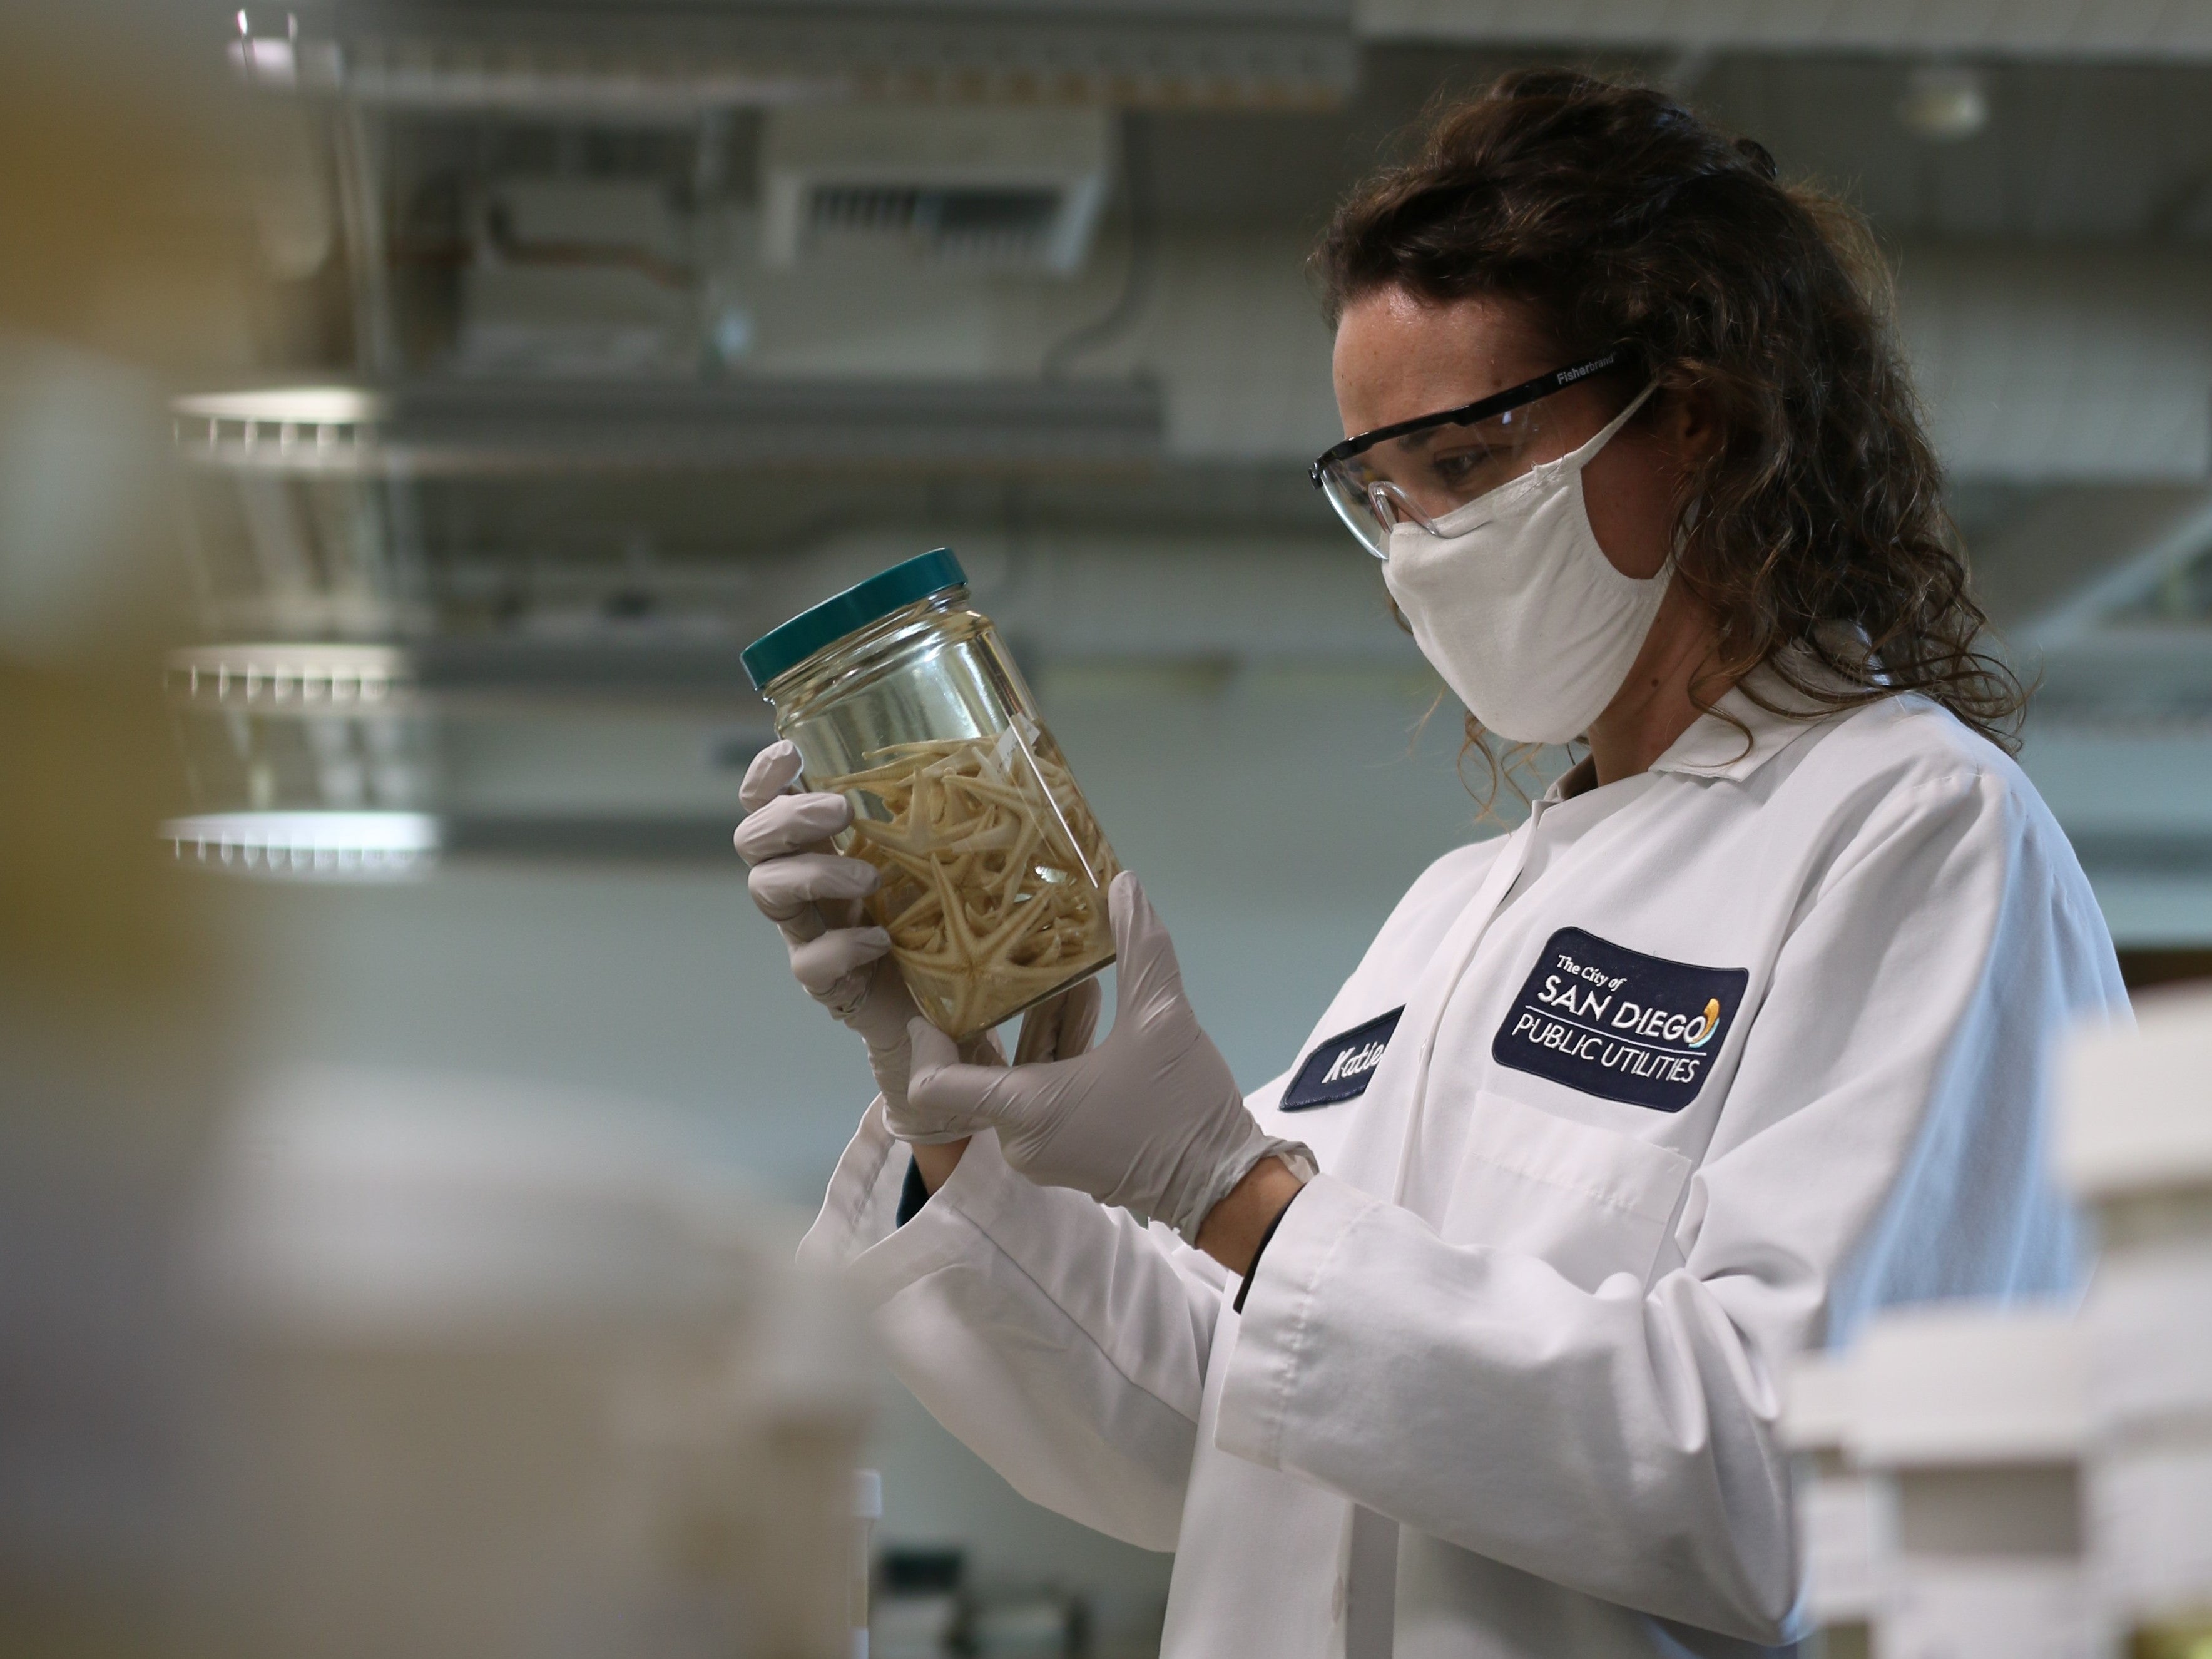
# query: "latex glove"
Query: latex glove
1151,1120
814,895
1061,1028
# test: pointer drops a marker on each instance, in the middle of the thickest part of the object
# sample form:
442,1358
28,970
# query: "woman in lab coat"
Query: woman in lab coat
1467,1334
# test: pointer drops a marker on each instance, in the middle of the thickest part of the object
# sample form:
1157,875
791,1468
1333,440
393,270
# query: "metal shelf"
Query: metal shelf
457,675
292,679
308,846
370,847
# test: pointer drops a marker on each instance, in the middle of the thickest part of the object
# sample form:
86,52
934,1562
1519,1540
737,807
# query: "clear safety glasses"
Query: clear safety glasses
1416,472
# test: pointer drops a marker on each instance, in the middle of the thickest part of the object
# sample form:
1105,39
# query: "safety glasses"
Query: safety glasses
1416,472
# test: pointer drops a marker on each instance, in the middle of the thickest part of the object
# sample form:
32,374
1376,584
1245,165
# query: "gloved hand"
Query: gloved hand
1151,1120
813,896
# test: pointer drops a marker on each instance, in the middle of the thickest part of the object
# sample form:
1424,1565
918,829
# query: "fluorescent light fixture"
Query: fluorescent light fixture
308,846
264,61
1944,103
287,405
280,428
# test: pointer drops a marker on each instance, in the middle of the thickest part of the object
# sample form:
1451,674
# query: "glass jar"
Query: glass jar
900,697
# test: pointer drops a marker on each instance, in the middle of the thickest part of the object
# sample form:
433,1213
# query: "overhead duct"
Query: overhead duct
2107,29
665,62
2160,584
2050,365
2039,365
2041,569
2131,646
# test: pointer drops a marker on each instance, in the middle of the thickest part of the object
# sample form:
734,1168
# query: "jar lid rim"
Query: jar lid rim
785,647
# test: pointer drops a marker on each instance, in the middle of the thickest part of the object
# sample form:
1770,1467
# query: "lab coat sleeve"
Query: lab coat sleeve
1065,1343
1880,1142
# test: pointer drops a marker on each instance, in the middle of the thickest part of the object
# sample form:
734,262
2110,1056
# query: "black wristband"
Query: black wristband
1245,1289
914,1195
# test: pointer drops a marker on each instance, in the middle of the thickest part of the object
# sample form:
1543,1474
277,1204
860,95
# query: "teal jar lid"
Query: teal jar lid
781,649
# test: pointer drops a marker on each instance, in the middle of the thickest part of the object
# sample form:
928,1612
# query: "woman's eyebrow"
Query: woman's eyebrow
1414,443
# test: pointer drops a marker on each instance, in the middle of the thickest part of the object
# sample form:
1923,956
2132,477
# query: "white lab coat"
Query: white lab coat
1506,1379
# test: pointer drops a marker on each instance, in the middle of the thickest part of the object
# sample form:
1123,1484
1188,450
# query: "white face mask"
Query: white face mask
1516,605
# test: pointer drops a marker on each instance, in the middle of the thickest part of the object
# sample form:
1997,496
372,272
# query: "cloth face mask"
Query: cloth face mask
1514,603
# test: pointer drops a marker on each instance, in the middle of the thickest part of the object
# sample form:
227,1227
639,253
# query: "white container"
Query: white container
1971,1420
1839,1530
867,1509
2135,1143
505,1383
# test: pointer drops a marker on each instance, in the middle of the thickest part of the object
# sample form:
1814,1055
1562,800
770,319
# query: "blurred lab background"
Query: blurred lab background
420,402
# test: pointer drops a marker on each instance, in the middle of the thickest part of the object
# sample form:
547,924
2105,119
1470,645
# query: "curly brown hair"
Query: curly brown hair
1616,216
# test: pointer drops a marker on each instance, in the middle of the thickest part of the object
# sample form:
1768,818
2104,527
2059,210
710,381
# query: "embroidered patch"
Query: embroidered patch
1618,1024
1338,1068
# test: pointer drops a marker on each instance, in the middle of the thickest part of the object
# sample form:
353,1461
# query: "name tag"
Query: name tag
1618,1024
1338,1068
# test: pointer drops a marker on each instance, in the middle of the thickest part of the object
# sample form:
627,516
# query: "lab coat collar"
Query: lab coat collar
1578,779
1737,736
1732,741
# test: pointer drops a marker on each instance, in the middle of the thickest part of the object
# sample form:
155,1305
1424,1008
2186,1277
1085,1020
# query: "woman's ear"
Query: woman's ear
1687,426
